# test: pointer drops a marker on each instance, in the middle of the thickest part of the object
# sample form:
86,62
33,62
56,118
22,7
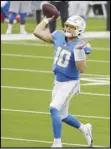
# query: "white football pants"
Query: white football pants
62,94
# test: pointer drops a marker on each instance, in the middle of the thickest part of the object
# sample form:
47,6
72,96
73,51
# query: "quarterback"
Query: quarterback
69,61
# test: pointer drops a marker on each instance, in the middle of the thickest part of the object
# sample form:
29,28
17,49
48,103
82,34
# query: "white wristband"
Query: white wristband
79,54
46,21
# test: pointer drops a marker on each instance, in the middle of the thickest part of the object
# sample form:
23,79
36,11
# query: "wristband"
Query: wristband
46,21
79,55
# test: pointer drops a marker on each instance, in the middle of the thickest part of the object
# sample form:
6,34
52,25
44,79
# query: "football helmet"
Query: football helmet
77,24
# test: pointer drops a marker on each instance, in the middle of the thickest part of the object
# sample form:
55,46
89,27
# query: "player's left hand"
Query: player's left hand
85,46
80,45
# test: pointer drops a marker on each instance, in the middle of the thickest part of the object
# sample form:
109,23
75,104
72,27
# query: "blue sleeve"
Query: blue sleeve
58,36
87,48
55,34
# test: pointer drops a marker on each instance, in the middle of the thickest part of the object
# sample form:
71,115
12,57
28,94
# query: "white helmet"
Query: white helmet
79,24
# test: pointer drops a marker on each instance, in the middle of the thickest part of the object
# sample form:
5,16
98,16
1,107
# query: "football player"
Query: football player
18,7
69,61
5,9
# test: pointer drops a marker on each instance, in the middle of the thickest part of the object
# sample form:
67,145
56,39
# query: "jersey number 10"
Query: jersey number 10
62,57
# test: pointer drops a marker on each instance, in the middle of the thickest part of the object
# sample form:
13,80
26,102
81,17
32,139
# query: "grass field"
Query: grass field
27,82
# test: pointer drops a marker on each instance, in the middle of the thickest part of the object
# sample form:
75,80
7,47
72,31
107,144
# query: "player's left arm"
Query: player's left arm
80,53
81,65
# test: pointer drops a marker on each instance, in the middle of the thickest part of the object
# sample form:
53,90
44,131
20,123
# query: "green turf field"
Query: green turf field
23,72
27,81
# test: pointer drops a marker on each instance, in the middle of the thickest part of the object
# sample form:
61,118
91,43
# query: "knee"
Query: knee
53,110
54,105
63,116
55,113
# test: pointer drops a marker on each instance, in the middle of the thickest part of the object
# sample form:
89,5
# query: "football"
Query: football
50,10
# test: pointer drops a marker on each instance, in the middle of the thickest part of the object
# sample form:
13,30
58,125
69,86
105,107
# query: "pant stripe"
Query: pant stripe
69,96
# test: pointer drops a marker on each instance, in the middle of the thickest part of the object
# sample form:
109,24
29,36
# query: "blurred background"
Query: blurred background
27,78
96,13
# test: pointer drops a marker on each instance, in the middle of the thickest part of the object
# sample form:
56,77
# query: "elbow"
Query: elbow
35,34
81,66
81,70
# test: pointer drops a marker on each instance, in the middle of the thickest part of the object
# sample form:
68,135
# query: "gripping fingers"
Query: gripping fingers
80,45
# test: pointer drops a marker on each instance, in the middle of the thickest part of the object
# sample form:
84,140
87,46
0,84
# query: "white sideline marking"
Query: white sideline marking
27,56
95,75
24,88
100,48
47,113
47,57
41,141
48,90
27,44
43,71
99,83
26,70
93,81
98,61
45,45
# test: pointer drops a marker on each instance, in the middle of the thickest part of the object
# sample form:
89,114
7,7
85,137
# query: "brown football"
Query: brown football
50,10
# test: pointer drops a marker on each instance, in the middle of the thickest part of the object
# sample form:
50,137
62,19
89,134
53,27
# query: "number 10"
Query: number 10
59,58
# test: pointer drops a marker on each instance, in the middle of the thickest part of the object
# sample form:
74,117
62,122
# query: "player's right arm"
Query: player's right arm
41,32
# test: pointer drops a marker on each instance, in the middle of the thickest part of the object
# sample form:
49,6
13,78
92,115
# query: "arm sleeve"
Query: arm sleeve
79,55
